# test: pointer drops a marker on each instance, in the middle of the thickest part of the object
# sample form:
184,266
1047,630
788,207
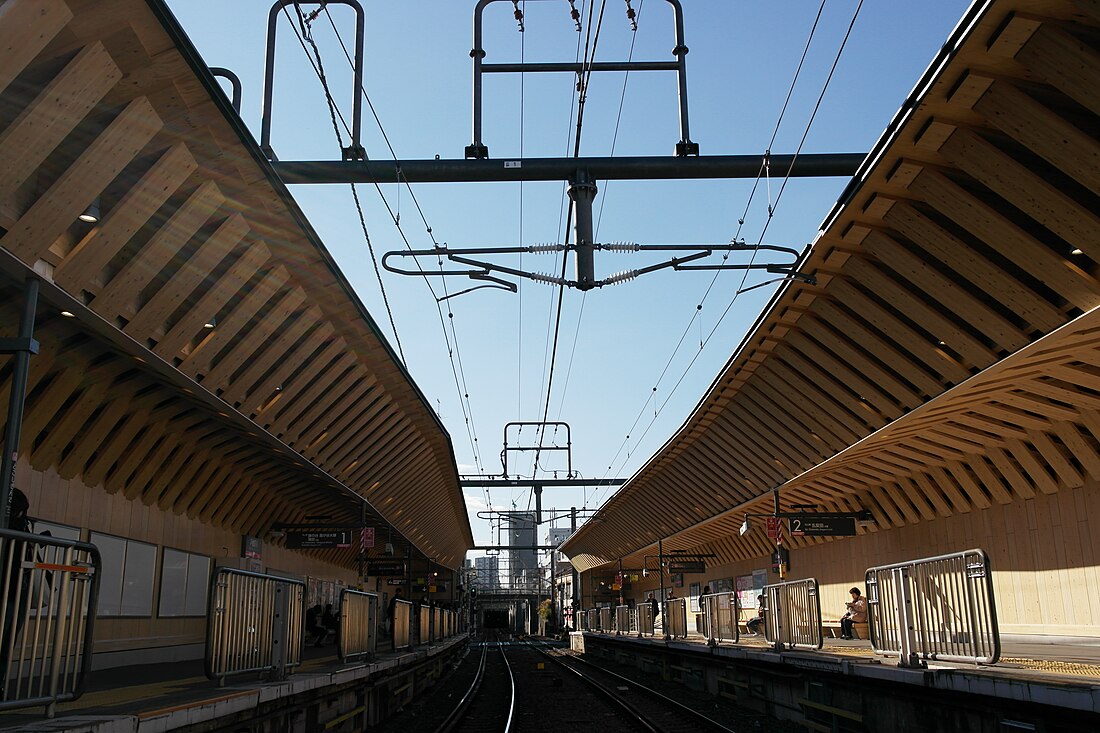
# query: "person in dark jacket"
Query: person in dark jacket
314,628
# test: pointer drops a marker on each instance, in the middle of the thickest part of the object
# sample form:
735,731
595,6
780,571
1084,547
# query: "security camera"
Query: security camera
388,549
746,527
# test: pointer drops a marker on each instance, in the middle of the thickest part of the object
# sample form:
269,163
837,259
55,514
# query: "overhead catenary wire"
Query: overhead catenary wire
453,352
772,205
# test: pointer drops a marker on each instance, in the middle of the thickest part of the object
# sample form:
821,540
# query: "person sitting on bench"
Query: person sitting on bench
857,613
754,624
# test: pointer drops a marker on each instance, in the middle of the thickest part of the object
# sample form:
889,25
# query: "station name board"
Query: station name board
317,539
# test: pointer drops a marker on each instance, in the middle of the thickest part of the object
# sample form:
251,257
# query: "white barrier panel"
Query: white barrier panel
605,619
358,624
934,608
793,614
49,588
254,624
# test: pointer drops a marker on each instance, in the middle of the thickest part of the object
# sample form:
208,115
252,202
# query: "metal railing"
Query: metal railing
720,613
358,637
49,588
793,616
254,624
934,608
645,618
402,624
675,614
623,620
605,619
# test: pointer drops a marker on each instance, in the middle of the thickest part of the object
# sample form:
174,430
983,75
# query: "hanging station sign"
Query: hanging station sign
320,539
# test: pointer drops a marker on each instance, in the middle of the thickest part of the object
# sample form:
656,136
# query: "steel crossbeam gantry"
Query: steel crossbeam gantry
807,165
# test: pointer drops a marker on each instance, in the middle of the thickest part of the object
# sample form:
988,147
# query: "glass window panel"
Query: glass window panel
112,553
198,583
137,587
60,531
173,582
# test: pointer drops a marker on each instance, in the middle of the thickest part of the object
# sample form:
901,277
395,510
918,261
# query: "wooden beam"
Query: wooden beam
1066,63
1026,189
189,276
26,27
54,113
1043,130
80,267
72,192
121,296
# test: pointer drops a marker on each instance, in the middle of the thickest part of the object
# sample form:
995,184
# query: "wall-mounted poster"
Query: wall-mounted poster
677,580
694,592
745,597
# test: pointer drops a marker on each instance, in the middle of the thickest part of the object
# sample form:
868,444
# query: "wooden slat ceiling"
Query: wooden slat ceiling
949,356
293,405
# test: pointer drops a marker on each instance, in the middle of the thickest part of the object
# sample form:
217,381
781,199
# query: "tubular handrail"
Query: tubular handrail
50,587
934,608
358,638
676,618
254,624
720,612
793,617
402,624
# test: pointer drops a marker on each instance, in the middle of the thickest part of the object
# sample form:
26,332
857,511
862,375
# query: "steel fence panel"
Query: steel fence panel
254,624
939,608
793,614
605,619
50,587
645,619
622,619
720,614
359,612
676,618
402,624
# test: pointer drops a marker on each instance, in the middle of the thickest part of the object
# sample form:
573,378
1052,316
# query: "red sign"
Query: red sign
366,538
773,527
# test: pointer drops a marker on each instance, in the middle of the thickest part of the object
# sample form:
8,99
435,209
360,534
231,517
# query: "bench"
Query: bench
831,628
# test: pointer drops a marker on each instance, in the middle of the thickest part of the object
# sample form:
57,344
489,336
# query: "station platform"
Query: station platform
155,698
1037,678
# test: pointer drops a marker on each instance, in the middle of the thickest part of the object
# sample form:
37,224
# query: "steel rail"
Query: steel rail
452,720
664,699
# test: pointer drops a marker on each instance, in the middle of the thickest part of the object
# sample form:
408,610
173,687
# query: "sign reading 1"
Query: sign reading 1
811,526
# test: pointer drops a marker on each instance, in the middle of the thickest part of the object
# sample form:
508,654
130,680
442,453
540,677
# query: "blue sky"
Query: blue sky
616,342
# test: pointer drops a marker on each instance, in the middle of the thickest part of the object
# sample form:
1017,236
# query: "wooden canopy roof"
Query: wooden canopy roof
291,404
949,356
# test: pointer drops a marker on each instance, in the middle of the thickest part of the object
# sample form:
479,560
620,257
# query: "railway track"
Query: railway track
522,686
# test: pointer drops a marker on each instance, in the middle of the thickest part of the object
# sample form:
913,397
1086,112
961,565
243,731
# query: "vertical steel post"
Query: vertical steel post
685,147
576,575
280,635
22,347
477,53
582,192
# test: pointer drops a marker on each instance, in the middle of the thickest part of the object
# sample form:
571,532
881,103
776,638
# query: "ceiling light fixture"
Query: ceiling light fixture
91,214
210,324
1076,251
67,314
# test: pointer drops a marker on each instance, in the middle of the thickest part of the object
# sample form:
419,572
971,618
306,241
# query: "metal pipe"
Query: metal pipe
572,67
24,346
583,193
807,165
234,82
477,53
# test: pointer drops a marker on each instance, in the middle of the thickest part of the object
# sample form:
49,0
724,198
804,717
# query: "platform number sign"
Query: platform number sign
811,526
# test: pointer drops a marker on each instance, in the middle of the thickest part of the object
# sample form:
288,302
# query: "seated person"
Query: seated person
314,629
330,620
857,613
756,624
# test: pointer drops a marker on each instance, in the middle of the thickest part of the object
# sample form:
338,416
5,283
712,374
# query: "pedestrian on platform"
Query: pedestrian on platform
754,624
857,613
